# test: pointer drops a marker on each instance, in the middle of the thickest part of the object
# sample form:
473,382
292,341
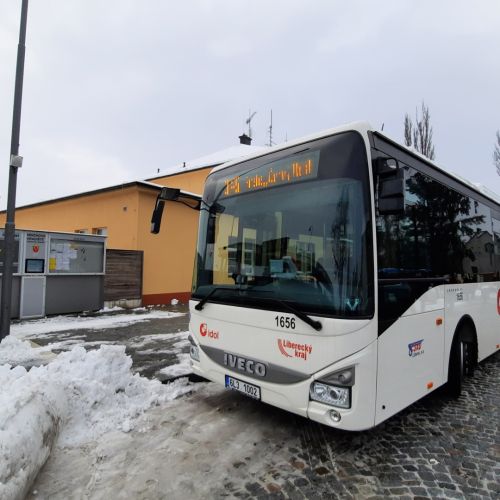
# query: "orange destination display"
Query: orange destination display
296,168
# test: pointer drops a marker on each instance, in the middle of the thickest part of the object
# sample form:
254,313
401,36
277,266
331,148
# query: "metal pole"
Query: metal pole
15,163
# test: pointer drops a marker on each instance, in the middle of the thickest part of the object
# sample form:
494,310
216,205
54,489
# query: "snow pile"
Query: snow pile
102,392
84,393
30,416
16,352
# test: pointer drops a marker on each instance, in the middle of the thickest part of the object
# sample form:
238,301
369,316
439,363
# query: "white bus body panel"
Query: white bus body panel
406,373
410,358
479,301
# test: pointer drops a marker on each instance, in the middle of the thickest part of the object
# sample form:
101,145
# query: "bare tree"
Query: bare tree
496,153
419,135
408,130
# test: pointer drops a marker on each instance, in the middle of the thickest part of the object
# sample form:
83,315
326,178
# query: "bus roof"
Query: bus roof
364,128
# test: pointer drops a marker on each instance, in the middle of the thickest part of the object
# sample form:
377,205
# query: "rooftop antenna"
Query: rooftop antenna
383,127
249,120
271,143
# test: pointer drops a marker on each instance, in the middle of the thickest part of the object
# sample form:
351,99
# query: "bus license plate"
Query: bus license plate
238,385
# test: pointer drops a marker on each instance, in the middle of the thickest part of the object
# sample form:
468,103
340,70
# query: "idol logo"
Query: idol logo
294,350
205,332
415,348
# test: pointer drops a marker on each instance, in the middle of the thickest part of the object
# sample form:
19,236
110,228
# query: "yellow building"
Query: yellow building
123,214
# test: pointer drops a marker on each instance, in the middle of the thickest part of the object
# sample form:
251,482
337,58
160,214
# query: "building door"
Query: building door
32,297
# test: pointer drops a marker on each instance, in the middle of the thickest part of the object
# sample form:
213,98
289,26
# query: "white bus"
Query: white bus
343,277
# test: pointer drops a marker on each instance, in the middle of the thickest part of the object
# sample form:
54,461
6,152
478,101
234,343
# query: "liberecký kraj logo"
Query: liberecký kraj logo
293,349
206,332
415,348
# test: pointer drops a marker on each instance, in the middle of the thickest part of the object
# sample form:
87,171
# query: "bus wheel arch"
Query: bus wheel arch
463,355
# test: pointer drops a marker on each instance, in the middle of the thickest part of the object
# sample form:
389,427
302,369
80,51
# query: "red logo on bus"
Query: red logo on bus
293,349
36,248
204,331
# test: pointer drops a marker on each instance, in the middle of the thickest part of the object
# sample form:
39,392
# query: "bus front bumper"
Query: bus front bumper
295,398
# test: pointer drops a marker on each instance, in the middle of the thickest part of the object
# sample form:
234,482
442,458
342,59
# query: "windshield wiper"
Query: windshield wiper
303,316
204,300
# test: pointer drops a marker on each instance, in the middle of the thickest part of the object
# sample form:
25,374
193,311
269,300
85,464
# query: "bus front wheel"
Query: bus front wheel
463,359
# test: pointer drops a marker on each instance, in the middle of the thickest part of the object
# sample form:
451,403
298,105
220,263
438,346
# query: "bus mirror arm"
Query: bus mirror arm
391,186
386,166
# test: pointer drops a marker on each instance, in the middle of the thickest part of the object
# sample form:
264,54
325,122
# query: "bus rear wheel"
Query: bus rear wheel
463,359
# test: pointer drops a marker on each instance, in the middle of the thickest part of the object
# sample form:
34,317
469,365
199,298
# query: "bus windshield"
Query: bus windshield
295,227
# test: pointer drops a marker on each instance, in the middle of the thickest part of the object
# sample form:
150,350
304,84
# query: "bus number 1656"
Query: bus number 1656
285,322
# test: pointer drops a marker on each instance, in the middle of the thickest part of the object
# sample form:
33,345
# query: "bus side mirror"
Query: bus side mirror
391,187
172,194
157,215
169,194
166,194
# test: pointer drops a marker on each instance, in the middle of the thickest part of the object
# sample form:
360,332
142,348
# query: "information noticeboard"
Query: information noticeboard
70,256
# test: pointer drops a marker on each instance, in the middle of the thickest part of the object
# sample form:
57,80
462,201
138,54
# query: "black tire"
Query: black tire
463,359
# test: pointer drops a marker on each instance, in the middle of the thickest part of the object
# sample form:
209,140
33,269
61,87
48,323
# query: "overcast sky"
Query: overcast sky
115,89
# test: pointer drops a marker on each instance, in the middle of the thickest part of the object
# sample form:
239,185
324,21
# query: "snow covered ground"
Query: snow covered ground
74,398
110,434
64,323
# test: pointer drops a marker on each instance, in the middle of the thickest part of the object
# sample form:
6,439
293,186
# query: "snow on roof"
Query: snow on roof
212,160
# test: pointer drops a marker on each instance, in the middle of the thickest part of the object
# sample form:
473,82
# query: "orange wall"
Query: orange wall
169,255
116,210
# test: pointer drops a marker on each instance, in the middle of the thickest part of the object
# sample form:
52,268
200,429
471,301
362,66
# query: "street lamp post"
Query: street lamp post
15,163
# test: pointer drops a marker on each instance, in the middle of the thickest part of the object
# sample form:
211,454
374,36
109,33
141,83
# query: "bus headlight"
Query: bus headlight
331,395
194,350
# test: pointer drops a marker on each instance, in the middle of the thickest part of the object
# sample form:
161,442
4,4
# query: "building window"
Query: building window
101,231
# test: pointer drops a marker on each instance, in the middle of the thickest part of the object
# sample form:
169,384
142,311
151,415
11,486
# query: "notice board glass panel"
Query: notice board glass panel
70,256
